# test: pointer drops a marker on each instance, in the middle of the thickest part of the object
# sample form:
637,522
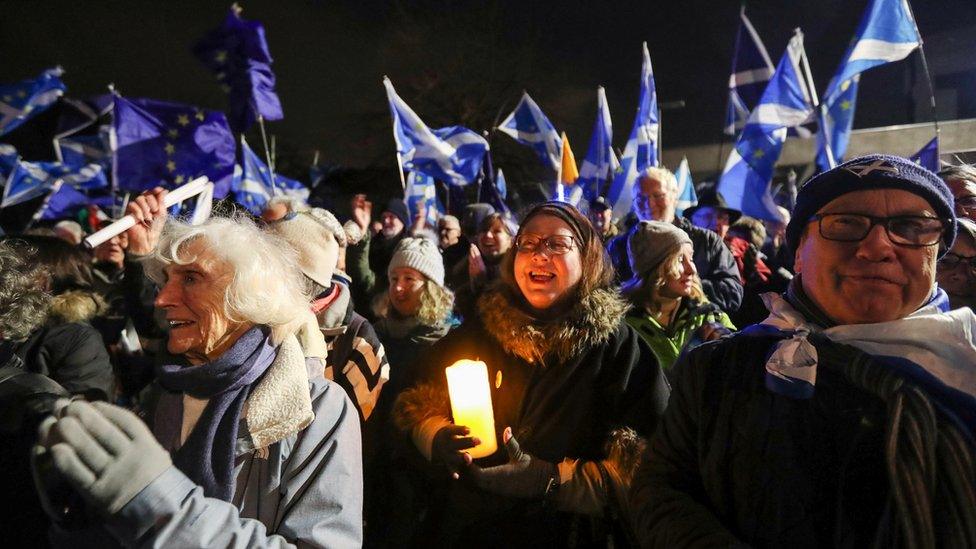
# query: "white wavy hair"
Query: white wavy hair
267,287
663,175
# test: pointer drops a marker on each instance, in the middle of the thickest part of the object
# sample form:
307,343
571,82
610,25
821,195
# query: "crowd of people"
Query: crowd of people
699,378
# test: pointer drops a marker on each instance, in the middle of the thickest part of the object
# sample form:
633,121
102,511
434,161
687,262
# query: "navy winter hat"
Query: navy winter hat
396,207
874,171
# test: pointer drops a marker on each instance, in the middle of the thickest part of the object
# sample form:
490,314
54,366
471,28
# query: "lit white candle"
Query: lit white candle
467,384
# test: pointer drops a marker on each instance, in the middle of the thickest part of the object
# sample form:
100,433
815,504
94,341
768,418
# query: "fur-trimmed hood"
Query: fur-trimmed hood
76,306
591,321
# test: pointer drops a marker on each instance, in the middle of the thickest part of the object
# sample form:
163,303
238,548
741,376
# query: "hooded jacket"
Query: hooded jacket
577,391
68,349
713,260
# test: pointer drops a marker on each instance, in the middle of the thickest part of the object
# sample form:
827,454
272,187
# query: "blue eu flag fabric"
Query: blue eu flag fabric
237,53
22,100
169,144
63,203
786,103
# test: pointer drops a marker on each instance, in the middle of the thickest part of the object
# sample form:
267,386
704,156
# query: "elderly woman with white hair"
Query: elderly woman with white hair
242,447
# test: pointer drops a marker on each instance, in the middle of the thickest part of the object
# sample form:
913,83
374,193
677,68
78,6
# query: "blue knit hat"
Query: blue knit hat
874,171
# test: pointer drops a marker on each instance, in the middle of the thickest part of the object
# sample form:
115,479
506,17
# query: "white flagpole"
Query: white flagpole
819,108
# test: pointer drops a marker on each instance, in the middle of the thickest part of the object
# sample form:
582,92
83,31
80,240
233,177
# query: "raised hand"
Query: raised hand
150,212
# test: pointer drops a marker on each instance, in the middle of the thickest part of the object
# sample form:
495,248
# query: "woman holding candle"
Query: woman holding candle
574,392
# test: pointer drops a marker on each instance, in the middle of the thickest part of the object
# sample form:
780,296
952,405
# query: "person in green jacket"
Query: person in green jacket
670,310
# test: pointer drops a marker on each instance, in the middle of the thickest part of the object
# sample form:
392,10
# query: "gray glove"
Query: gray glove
106,453
524,476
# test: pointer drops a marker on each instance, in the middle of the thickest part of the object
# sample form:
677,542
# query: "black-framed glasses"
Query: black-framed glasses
557,244
952,260
904,230
966,203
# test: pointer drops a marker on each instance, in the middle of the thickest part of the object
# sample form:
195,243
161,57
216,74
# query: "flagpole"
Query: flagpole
403,182
822,115
267,155
40,211
928,77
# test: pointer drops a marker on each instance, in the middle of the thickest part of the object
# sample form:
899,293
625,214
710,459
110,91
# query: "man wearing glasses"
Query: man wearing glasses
655,199
962,182
846,418
956,273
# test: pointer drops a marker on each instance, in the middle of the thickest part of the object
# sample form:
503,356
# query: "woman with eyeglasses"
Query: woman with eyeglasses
671,312
575,393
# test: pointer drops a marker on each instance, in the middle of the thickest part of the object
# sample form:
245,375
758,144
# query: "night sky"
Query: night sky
453,62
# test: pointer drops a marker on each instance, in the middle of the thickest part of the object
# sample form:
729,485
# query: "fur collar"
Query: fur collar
280,404
76,306
592,321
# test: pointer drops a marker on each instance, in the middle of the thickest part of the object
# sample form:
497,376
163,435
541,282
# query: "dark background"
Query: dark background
460,62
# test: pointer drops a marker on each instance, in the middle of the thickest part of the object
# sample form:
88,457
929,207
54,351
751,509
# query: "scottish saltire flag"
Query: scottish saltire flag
838,119
79,114
600,160
81,150
169,144
453,154
640,152
28,180
686,188
253,188
422,191
20,101
63,203
238,55
501,185
749,170
887,33
928,156
529,126
751,69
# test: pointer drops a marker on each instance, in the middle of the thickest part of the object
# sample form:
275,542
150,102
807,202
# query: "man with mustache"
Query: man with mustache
846,418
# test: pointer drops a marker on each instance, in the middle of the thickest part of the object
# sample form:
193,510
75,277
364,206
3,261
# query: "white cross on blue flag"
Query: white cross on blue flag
640,152
529,126
751,69
21,101
784,104
453,154
600,159
887,33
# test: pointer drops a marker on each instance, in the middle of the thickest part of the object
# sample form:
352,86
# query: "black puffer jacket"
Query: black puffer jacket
713,260
69,350
735,462
563,387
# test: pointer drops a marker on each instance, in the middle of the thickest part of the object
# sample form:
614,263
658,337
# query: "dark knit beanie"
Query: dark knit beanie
396,207
874,171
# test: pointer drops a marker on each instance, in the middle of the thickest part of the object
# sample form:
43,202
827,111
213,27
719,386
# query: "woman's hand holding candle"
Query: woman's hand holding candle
448,447
524,476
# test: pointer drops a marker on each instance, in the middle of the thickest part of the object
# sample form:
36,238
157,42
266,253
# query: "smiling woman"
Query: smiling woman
574,393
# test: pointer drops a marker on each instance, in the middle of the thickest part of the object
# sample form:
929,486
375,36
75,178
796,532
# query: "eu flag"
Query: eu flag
237,53
169,144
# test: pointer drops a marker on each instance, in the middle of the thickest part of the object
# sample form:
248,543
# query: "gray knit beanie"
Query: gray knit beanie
650,243
420,254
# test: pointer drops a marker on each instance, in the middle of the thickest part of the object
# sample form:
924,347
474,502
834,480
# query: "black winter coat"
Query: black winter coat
734,462
713,260
562,390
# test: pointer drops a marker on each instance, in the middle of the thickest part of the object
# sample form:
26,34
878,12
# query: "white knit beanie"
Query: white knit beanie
317,236
420,254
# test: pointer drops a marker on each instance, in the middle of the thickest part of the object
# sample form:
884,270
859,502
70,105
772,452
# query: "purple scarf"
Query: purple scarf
207,456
